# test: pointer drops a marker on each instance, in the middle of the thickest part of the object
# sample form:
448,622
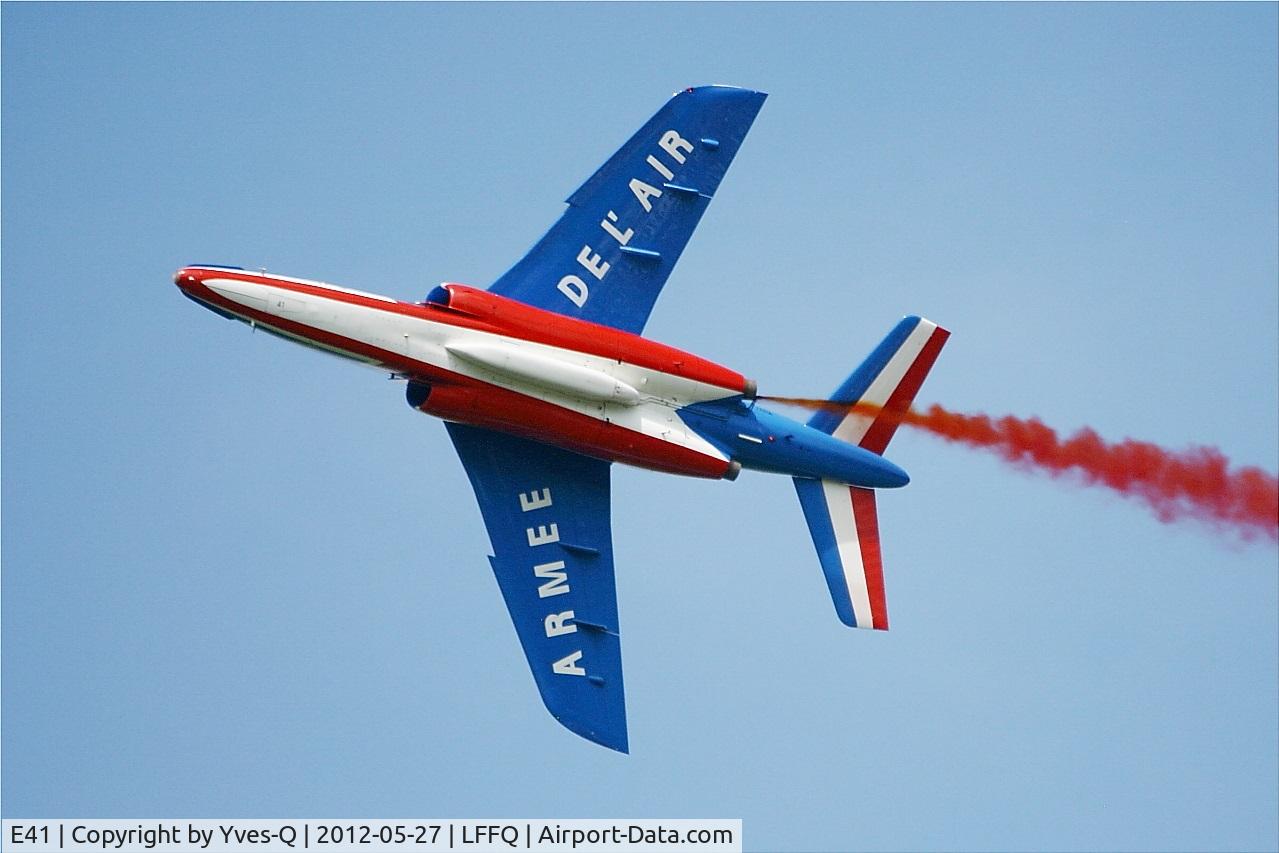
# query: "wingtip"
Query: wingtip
937,327
875,626
616,741
723,88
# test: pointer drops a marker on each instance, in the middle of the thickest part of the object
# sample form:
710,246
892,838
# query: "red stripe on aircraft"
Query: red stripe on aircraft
895,408
481,404
867,521
488,312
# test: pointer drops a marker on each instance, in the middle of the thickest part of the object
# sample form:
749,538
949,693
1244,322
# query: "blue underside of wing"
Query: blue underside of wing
547,513
609,255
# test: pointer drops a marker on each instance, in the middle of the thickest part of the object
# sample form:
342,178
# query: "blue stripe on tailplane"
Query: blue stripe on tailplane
855,386
609,255
813,501
547,514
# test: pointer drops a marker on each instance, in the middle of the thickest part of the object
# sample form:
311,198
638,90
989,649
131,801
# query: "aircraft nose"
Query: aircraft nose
184,278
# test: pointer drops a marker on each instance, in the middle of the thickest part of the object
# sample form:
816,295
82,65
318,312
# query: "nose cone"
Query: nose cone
190,280
186,278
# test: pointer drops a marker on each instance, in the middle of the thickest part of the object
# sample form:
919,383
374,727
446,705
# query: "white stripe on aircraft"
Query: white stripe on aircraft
839,503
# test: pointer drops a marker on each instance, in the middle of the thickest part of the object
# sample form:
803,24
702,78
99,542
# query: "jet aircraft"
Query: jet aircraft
543,381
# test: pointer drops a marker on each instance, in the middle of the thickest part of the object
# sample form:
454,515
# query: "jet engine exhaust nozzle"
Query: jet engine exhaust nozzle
417,393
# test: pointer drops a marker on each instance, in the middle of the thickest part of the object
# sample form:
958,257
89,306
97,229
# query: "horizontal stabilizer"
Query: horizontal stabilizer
845,530
880,391
869,406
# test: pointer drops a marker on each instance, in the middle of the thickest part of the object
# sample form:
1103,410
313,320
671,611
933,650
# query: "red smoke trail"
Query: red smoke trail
1193,483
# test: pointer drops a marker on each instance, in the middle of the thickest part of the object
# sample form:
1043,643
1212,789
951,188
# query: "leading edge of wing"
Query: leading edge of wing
547,514
608,256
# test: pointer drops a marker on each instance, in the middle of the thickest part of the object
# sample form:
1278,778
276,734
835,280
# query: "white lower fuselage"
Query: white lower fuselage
433,344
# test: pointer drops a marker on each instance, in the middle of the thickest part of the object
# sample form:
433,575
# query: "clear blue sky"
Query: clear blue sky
243,579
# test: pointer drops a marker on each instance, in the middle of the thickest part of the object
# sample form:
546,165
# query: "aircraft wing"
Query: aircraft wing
547,514
608,256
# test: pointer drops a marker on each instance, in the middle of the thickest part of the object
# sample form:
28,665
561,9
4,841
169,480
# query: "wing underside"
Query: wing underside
547,515
608,256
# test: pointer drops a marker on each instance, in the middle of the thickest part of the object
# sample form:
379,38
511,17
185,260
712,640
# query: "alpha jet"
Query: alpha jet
544,380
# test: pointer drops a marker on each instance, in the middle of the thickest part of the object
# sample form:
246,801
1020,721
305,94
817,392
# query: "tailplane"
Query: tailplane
879,392
842,519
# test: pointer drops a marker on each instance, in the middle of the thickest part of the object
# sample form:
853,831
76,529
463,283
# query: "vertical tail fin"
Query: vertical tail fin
842,519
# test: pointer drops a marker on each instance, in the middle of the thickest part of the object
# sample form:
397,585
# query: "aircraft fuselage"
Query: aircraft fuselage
478,358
